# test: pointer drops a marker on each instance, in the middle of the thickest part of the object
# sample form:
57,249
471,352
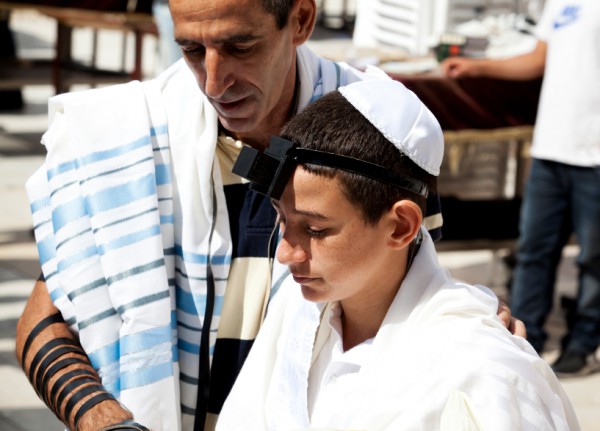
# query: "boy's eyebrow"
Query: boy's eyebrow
312,214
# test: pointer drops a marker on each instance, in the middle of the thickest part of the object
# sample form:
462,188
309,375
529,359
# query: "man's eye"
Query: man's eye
193,51
241,49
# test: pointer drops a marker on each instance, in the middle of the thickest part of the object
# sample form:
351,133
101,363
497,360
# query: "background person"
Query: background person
562,194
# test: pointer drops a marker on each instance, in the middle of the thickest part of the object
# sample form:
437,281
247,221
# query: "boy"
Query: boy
369,332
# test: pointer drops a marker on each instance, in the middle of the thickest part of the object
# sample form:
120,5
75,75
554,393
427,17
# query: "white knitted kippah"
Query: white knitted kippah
402,118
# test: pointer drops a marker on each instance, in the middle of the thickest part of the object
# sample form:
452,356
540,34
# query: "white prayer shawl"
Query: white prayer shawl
441,361
131,221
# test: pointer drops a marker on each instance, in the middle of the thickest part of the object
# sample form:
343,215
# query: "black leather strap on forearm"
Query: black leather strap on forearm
44,350
51,372
81,394
48,360
96,399
125,425
72,387
54,393
42,387
42,324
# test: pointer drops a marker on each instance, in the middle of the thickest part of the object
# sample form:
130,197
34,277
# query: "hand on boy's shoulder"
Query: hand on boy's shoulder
514,325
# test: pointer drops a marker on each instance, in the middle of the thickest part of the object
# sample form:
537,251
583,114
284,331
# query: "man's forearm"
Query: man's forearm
59,370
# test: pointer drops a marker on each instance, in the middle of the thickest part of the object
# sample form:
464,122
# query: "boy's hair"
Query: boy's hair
333,125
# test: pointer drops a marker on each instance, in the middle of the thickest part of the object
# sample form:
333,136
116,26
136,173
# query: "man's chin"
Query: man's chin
237,125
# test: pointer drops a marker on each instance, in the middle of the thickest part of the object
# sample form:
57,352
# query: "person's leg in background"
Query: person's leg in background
583,337
544,228
168,51
9,99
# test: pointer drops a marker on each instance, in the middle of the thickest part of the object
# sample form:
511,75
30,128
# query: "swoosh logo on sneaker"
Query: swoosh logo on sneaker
569,15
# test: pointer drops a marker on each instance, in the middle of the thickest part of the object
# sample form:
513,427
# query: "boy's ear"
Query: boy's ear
303,17
406,220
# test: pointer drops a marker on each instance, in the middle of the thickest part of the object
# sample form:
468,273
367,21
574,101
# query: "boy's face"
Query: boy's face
329,248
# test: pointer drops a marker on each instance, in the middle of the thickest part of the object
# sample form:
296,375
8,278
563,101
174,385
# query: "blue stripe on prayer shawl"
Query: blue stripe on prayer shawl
188,347
105,355
64,186
187,277
46,249
98,156
40,224
39,204
148,299
159,130
188,379
163,174
201,258
94,319
49,276
114,171
187,302
146,340
124,194
60,169
113,387
174,349
109,354
103,155
124,219
77,257
197,277
167,219
129,239
146,376
186,326
86,288
56,293
135,270
66,240
67,212
192,347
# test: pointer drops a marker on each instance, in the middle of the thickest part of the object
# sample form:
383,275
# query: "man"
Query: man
154,254
369,332
562,195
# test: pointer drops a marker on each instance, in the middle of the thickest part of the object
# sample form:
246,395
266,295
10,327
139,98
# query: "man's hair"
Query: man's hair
333,125
280,9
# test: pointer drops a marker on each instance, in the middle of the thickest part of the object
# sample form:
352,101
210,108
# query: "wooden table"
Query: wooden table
488,125
63,71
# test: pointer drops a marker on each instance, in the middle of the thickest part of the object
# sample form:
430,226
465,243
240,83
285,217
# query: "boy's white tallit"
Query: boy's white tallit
441,361
130,216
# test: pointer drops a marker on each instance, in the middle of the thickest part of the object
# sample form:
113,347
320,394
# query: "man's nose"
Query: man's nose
218,74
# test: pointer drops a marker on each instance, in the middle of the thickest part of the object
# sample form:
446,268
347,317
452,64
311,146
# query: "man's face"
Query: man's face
330,250
243,63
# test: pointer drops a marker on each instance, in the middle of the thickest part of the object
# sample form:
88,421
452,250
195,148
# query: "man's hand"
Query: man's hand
59,370
457,67
514,325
